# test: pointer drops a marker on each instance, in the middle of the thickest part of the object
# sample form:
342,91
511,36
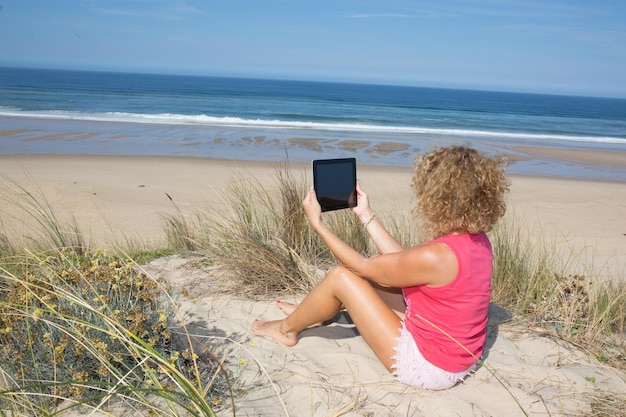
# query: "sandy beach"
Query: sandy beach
331,371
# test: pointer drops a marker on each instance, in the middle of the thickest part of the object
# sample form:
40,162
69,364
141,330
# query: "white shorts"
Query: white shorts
411,368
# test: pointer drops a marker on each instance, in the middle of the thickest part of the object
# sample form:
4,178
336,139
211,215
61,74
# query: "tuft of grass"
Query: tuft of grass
522,273
603,405
48,231
180,230
264,244
578,308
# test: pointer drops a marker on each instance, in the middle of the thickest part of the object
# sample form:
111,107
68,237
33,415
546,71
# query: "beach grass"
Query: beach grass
86,331
90,329
583,309
93,332
44,228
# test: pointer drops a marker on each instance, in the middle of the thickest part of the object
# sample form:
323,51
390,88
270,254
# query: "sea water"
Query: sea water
104,113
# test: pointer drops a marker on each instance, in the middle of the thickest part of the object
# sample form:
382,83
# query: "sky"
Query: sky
575,47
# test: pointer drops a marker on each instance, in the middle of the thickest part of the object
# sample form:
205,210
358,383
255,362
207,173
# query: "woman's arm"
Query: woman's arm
380,236
342,251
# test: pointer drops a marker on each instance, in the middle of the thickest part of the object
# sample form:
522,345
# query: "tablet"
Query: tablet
334,181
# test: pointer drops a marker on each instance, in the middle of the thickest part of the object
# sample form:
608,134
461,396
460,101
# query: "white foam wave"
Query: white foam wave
203,120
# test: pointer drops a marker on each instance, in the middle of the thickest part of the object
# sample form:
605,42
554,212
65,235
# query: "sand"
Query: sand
331,371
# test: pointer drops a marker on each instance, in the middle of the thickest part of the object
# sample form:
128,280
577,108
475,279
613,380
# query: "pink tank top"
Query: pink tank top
459,308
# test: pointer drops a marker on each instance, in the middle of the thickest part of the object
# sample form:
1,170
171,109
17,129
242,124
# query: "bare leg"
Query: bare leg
288,308
377,323
319,305
393,298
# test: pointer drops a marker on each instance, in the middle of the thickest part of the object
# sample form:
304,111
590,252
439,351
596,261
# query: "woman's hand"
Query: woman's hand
312,209
362,209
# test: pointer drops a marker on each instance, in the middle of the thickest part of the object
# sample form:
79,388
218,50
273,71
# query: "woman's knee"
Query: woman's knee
341,278
340,273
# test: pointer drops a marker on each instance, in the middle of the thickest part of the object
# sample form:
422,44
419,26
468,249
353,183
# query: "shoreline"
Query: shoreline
23,136
123,198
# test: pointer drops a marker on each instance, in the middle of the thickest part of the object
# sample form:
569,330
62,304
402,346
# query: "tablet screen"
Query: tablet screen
334,181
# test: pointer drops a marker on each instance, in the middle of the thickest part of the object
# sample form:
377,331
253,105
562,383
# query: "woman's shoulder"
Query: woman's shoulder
436,262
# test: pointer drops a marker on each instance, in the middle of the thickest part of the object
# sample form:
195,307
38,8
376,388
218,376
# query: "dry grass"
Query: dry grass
264,239
43,229
578,308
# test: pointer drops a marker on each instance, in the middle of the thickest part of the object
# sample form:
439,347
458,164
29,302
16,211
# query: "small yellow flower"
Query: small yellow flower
103,371
242,362
100,346
37,314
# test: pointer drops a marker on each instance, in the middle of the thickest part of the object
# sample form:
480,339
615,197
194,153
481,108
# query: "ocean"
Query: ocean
104,113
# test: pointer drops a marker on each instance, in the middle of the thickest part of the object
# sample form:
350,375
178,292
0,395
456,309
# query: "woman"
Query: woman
423,310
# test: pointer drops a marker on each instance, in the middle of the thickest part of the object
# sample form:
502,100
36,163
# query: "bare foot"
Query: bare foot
273,330
286,307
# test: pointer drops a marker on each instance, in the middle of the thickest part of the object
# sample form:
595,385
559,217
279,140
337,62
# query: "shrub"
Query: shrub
89,328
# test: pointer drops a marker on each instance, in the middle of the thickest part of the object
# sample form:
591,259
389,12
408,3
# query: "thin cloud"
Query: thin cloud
162,10
181,6
183,39
379,15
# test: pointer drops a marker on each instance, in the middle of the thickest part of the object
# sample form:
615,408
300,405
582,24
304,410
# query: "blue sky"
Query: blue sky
552,46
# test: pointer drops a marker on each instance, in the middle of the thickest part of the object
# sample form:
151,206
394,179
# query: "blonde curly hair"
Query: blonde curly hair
459,190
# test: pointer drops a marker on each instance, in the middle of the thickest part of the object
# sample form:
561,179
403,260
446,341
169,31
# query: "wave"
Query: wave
236,122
